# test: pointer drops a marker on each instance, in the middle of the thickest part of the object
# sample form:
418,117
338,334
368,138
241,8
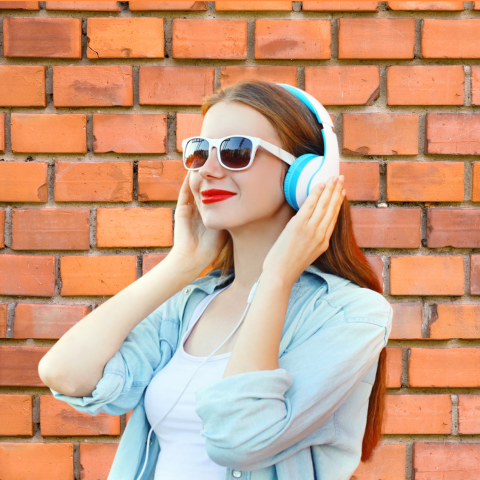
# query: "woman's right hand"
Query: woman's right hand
194,243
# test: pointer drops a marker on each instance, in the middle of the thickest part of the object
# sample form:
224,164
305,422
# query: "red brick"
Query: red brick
450,38
226,39
379,134
427,275
49,133
22,86
358,38
388,459
2,132
188,125
340,6
19,367
96,458
146,5
34,320
59,419
2,228
3,321
362,180
229,5
23,182
452,133
160,180
101,6
151,260
27,275
41,461
25,37
134,227
93,86
453,227
175,85
446,460
278,74
455,321
468,414
475,274
475,81
476,182
425,182
417,414
16,415
387,227
425,85
407,321
93,181
441,5
293,39
377,264
137,133
51,229
444,367
348,85
6,5
140,37
394,367
476,5
96,274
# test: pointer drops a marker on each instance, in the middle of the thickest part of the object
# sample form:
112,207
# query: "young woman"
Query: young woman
297,391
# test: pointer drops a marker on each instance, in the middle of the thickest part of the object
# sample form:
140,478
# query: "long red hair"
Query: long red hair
299,131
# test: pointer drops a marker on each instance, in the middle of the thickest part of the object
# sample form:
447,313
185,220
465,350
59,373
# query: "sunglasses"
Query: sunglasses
235,152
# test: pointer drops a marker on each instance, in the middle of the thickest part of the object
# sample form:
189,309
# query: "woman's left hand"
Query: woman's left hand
306,236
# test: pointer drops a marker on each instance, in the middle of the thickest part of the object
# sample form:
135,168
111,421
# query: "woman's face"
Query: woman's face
258,189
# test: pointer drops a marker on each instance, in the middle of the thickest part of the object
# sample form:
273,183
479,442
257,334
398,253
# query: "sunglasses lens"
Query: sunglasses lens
235,152
196,153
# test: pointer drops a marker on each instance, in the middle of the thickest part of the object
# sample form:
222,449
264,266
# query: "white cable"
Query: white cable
249,301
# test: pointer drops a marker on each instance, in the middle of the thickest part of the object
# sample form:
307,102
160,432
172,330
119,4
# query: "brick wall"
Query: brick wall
92,117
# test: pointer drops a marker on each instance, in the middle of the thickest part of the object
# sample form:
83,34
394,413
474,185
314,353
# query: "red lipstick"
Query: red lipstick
213,195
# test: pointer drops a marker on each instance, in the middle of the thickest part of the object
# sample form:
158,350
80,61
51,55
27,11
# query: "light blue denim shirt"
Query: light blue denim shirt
305,420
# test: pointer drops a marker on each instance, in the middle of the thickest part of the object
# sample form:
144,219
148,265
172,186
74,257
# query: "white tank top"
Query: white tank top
183,455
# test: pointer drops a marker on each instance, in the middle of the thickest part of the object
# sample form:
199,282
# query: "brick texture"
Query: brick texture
407,321
22,86
388,460
188,125
456,227
233,74
394,367
362,180
476,182
19,366
97,458
23,182
441,5
99,6
454,321
468,418
16,415
340,5
475,274
159,180
3,321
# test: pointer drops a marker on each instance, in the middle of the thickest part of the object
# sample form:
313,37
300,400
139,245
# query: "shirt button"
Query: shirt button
187,291
237,473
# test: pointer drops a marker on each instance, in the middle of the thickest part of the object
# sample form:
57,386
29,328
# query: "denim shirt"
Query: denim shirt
304,420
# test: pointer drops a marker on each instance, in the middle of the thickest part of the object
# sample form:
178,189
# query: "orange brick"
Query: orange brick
96,458
34,320
229,5
455,321
450,38
146,5
475,81
394,367
3,321
137,133
51,229
387,461
59,419
425,85
19,368
25,37
2,132
377,264
175,85
417,414
425,182
407,321
42,461
16,415
234,73
293,39
160,180
362,180
188,125
358,38
49,133
468,414
476,5
441,5
134,227
93,86
455,227
349,85
340,6
2,227
93,181
475,274
446,460
379,134
23,182
387,227
19,5
227,39
27,275
96,274
140,37
151,260
22,86
101,6
444,367
476,182
427,275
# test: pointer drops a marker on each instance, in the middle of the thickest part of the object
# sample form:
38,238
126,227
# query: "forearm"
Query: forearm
258,342
75,364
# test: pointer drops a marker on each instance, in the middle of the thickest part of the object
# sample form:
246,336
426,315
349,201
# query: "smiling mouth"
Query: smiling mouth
217,198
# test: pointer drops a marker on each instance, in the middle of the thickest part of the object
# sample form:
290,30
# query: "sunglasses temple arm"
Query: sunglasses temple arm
278,152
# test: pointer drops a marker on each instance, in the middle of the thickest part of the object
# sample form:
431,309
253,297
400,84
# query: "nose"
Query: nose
212,167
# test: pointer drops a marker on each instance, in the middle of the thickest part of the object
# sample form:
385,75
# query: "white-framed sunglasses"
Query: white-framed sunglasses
235,152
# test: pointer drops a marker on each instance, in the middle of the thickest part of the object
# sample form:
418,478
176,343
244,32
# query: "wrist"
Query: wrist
182,266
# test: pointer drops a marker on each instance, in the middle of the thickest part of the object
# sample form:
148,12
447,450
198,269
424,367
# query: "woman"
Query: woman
297,390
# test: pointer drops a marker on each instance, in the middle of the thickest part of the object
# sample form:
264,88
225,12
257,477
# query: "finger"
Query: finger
332,224
327,224
328,196
185,192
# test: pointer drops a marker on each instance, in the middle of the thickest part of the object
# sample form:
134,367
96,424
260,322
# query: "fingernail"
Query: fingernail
334,181
341,179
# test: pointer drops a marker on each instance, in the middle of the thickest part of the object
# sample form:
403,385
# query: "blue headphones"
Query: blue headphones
309,170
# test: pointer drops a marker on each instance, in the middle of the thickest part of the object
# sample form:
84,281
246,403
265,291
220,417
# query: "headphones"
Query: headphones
309,170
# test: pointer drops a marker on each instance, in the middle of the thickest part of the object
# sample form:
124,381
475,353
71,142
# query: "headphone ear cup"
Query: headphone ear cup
298,178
